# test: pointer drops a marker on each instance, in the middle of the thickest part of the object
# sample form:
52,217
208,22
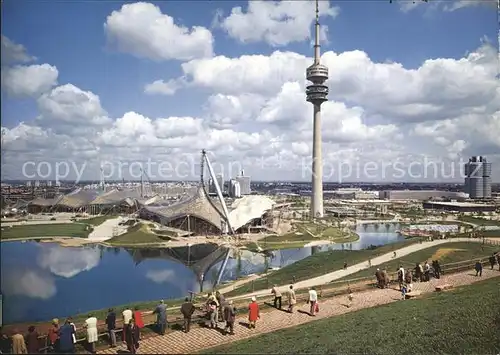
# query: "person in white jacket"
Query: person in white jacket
92,335
127,316
313,300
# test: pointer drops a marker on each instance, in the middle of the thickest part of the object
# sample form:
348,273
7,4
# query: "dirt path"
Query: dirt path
203,338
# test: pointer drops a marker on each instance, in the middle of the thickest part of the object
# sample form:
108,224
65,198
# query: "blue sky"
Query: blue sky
71,36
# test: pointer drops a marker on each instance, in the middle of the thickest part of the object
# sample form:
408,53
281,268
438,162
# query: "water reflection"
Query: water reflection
28,282
41,280
68,262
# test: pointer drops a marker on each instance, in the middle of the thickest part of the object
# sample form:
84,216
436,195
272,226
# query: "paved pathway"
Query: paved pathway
335,275
201,338
107,229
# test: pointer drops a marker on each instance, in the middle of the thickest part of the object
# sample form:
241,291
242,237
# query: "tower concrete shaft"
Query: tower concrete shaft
317,93
317,166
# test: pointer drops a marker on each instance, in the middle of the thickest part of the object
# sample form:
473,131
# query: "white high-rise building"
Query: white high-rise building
244,182
234,189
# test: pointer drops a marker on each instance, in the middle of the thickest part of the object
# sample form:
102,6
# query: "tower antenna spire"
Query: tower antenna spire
317,47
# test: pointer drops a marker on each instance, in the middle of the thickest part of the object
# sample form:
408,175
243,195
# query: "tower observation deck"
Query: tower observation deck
317,74
317,93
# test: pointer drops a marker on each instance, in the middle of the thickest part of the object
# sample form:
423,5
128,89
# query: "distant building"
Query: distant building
234,189
244,182
350,194
420,195
458,206
211,186
220,181
478,178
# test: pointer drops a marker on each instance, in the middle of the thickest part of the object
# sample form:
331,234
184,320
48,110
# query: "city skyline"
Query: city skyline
116,95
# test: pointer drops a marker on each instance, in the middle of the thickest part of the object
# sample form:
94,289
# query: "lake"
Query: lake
41,281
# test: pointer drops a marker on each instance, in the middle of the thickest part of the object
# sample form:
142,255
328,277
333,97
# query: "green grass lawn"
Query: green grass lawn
463,251
479,221
463,321
305,232
46,230
316,265
138,234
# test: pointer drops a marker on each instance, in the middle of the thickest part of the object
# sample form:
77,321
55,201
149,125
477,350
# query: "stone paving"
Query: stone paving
202,338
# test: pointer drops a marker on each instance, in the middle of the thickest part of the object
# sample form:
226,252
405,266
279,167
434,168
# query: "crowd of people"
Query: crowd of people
63,338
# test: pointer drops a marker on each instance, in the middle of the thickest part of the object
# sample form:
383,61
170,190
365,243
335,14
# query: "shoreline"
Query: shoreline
174,303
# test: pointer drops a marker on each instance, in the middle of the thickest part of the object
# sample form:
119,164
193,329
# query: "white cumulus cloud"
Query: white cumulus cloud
143,30
32,80
277,23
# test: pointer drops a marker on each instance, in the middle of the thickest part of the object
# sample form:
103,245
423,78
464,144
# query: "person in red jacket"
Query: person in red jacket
138,319
253,313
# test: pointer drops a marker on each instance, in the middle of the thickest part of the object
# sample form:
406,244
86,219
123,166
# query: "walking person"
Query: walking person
427,271
127,316
138,321
350,297
53,336
73,326
221,303
313,300
213,312
133,336
277,297
187,310
230,317
32,342
404,290
479,268
420,272
345,266
401,276
161,317
408,276
385,278
437,269
111,325
92,334
5,342
66,344
492,261
380,280
292,299
18,344
253,313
